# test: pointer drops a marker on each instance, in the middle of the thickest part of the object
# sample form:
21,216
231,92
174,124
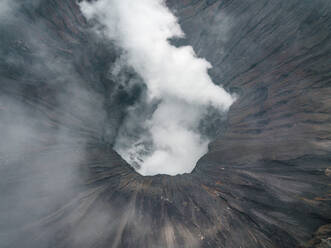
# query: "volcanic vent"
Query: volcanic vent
73,79
161,133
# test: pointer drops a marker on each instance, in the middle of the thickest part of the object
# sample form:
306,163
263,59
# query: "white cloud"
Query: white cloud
175,76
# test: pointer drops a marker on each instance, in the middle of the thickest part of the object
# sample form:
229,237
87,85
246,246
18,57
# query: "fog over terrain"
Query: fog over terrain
162,133
42,102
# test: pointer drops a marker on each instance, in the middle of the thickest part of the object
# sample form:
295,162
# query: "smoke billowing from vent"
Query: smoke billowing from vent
165,138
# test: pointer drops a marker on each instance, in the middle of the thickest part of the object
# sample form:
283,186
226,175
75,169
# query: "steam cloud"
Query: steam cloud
4,7
164,139
43,101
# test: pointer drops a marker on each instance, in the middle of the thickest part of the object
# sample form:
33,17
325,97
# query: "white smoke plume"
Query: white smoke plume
175,78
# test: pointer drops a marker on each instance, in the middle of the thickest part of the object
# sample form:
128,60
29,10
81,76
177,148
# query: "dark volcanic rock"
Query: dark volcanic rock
265,181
